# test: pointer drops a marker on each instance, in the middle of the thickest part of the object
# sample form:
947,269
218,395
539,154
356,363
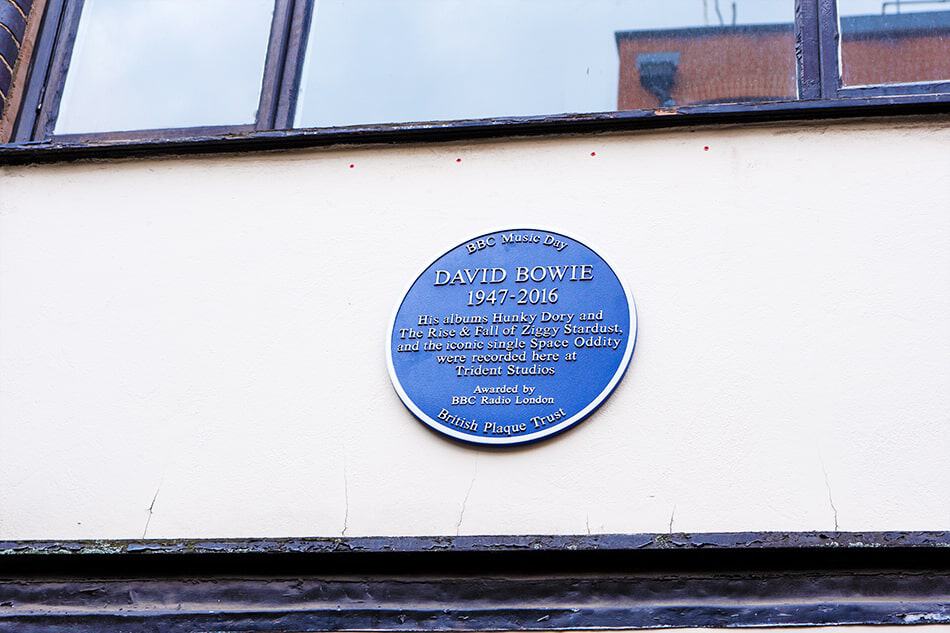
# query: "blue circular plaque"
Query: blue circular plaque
511,337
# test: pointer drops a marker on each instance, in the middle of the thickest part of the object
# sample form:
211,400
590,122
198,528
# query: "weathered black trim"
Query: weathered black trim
40,68
293,66
807,50
722,541
61,47
57,151
477,583
274,64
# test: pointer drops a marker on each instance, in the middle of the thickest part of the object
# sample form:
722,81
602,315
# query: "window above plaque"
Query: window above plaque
904,41
155,64
438,60
131,70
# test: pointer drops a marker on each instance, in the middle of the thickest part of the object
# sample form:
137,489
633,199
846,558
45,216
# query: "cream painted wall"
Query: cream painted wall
204,337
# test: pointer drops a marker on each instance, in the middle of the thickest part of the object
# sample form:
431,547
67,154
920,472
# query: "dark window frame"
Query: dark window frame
40,108
819,78
832,70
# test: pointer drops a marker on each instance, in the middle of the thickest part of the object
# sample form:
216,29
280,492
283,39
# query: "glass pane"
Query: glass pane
146,64
377,61
894,41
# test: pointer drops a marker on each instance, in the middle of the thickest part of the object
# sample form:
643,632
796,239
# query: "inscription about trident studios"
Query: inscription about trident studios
510,336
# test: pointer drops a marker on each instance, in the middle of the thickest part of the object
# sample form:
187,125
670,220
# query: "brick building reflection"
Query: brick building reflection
747,63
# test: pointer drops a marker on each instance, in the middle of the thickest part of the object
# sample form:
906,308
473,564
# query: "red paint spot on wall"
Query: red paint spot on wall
593,153
458,160
352,165
705,148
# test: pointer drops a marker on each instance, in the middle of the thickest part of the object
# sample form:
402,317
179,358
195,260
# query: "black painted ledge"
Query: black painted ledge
721,541
476,583
199,142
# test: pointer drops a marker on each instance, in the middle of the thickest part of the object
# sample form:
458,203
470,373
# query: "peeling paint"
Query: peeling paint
58,151
928,618
597,542
458,526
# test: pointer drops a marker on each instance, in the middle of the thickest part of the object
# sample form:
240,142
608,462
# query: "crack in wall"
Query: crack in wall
346,499
151,508
831,501
458,526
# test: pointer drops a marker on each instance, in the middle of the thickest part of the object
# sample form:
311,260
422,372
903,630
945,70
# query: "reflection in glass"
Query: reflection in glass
894,41
378,61
148,64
